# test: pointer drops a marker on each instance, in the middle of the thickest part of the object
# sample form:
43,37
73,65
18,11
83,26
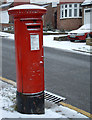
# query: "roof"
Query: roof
5,5
71,1
87,2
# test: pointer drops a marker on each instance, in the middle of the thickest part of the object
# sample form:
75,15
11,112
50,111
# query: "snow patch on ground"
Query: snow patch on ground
8,106
49,41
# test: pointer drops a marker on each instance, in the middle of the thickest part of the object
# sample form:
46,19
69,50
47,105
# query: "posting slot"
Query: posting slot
33,27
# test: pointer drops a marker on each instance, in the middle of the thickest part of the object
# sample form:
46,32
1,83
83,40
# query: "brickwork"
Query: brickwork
70,24
58,17
48,16
54,17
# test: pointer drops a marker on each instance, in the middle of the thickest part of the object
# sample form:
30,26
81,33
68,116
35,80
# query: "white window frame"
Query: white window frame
72,8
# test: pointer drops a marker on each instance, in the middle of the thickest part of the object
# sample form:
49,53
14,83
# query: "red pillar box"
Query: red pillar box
29,57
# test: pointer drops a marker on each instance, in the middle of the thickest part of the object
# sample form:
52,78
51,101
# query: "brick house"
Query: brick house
87,12
49,19
69,14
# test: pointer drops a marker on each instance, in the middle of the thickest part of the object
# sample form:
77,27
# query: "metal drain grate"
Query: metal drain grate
53,97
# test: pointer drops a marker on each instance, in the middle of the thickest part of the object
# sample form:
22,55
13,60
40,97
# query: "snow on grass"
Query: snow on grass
8,106
49,41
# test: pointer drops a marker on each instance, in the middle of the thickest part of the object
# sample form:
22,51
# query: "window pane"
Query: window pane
62,6
62,14
75,12
80,12
65,6
65,13
75,5
70,5
70,12
80,5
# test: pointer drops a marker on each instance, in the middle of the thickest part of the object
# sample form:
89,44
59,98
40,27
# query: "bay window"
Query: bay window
70,11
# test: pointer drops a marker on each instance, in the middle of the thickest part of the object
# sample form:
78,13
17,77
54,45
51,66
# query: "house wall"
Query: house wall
48,16
58,17
54,17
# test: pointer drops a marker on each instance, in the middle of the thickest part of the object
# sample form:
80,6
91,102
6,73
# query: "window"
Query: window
62,13
75,5
71,11
65,13
75,12
70,5
65,6
80,5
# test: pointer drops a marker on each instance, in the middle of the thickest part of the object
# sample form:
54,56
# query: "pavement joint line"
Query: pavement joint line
62,103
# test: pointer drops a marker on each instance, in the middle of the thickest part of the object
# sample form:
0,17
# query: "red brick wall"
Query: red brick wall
48,16
58,17
68,23
54,17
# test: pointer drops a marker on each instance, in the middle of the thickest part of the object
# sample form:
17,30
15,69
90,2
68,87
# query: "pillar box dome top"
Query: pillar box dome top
27,10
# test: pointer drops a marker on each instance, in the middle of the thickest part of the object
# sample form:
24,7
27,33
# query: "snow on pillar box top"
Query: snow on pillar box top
27,11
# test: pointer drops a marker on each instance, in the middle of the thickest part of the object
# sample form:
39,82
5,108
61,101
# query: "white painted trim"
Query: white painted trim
71,18
78,7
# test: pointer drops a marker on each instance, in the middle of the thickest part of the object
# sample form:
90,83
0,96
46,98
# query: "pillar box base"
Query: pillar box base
30,103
